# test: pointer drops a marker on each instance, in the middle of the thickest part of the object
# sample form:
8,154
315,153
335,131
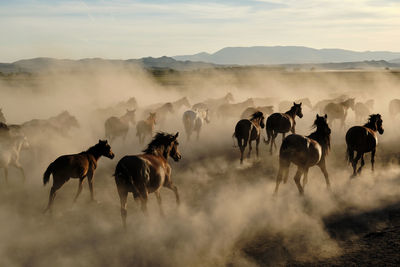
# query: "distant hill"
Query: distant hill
36,65
270,55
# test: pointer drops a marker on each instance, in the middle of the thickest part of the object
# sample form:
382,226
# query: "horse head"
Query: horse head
105,149
298,110
130,114
207,116
229,97
258,115
321,122
174,151
376,120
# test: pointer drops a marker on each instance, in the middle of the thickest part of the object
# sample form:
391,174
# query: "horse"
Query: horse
2,118
247,130
193,120
362,110
10,149
147,173
339,110
248,112
146,127
282,123
79,166
305,152
363,139
394,107
182,102
285,105
320,105
234,110
119,126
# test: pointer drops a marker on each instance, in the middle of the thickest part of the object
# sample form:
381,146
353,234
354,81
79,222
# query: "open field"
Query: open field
228,215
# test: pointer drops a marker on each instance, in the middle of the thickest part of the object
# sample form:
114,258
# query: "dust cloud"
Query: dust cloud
228,214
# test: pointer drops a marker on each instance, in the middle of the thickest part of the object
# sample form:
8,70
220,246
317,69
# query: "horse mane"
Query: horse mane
323,139
256,115
371,123
291,110
96,149
161,139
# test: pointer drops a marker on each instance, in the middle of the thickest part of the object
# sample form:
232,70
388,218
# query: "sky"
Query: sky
122,29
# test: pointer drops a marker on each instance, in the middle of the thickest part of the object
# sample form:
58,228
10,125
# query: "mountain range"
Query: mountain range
276,55
287,57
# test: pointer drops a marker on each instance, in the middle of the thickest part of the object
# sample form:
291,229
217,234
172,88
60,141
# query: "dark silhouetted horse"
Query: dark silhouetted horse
363,139
75,166
247,130
282,123
147,173
305,152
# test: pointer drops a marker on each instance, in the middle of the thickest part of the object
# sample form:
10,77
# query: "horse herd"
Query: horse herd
150,171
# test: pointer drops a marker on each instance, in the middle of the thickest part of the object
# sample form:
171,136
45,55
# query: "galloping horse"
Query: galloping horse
10,149
363,139
76,166
146,127
147,173
339,110
193,120
394,107
282,123
119,127
247,130
305,152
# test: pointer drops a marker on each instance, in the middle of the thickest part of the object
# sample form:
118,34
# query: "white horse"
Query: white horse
193,120
10,149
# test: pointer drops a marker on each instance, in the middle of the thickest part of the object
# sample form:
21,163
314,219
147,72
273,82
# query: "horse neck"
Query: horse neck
125,118
161,152
94,152
150,121
291,113
256,122
371,125
322,139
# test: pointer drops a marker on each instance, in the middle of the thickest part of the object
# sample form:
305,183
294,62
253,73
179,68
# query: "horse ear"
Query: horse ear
317,116
326,116
300,104
294,103
176,135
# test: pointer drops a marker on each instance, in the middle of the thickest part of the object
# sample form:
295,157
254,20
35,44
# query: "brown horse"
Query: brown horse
305,152
339,111
247,131
119,127
76,166
363,139
146,127
147,173
282,123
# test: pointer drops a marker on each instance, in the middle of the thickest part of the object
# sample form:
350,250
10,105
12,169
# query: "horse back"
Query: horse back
74,165
300,150
279,122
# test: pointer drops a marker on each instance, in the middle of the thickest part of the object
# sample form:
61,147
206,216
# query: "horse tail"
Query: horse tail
46,175
349,155
125,177
269,131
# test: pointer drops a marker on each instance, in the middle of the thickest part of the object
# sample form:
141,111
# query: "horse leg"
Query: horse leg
257,143
305,178
58,181
123,195
373,159
283,170
297,178
175,189
250,148
79,189
362,164
90,182
322,166
198,135
158,195
354,163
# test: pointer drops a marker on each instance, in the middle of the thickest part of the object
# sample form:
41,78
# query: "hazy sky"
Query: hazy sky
133,29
